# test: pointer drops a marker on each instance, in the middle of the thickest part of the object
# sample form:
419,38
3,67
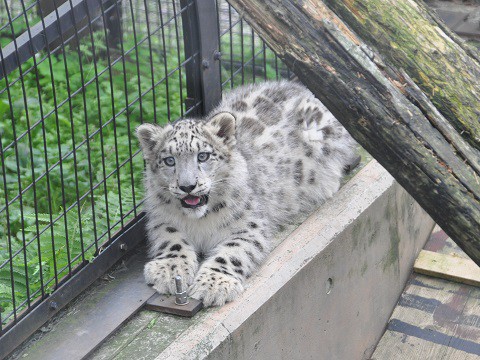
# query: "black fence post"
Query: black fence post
201,36
192,56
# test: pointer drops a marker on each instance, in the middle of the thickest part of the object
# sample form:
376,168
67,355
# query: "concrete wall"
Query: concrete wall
327,290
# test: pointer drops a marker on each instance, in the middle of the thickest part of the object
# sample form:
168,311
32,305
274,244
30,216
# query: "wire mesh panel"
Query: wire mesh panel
245,56
76,78
70,167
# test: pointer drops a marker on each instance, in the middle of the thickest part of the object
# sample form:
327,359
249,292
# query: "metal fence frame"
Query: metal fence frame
204,83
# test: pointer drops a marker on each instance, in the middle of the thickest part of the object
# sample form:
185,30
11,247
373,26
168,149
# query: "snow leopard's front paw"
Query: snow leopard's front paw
161,273
215,288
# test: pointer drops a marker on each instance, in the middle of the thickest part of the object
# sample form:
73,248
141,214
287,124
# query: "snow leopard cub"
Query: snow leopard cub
217,188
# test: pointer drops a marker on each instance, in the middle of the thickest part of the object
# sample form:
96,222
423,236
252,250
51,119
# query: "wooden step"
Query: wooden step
449,267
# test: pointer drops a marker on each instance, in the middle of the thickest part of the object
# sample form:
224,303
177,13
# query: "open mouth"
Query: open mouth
192,202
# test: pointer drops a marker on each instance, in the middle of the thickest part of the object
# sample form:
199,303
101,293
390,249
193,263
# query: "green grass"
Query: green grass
58,222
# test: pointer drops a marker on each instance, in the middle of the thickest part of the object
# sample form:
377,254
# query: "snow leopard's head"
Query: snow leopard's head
188,160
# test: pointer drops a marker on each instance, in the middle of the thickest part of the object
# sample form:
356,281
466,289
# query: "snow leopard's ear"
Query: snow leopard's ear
222,125
149,136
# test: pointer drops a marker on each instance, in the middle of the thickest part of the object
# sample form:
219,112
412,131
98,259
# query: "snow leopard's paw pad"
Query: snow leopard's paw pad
161,273
215,288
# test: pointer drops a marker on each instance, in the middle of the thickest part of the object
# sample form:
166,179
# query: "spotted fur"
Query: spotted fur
274,151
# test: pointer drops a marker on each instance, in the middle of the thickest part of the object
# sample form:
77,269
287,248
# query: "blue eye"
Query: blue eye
169,161
203,156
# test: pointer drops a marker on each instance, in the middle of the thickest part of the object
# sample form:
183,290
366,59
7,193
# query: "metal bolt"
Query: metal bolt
53,305
329,285
180,295
205,64
123,247
217,55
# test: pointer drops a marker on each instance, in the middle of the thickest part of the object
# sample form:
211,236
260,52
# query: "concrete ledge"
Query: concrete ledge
327,290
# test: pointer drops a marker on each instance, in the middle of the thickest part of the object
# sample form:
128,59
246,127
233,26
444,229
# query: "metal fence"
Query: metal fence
76,78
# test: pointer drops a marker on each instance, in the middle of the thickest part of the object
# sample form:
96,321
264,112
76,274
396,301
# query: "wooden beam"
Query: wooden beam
381,105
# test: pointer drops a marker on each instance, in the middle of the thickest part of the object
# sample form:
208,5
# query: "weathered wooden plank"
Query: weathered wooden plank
396,345
120,339
454,354
438,303
448,267
469,320
145,337
439,242
434,319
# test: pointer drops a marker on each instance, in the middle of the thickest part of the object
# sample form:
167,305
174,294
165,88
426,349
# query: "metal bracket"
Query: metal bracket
166,304
178,304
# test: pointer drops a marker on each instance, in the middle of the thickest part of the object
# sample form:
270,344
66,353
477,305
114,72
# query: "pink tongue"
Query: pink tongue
192,200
